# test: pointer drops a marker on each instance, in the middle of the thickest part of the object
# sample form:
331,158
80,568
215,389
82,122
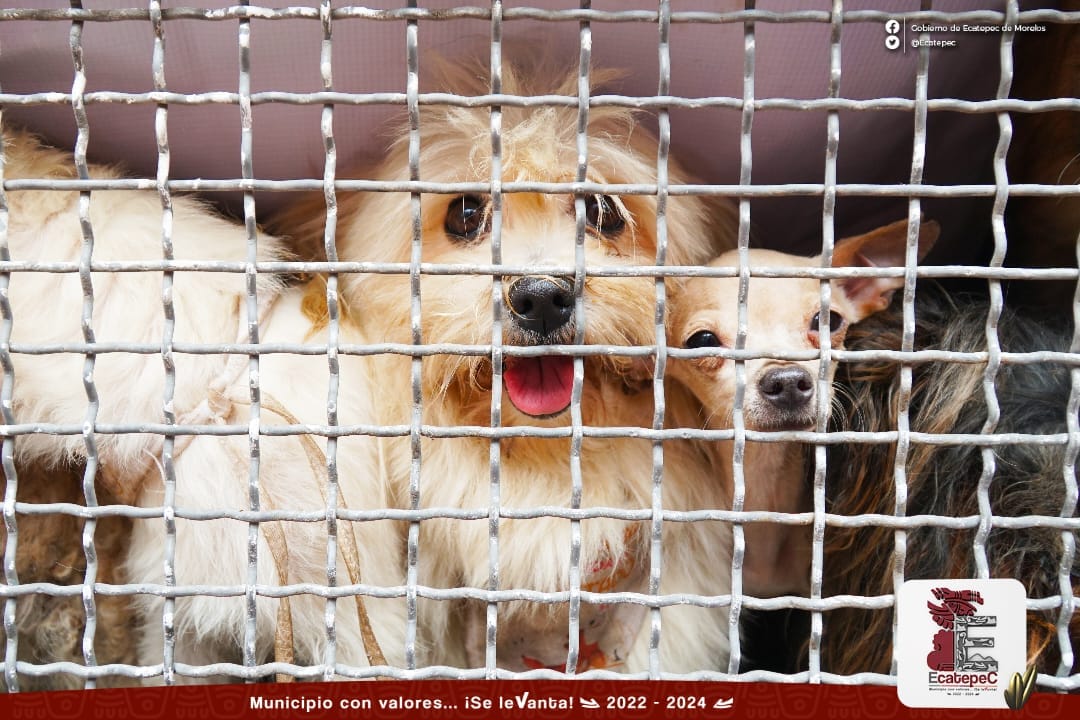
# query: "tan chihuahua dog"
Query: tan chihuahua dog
784,316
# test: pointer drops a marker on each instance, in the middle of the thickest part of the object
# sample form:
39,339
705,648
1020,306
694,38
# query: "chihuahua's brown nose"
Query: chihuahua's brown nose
541,304
788,388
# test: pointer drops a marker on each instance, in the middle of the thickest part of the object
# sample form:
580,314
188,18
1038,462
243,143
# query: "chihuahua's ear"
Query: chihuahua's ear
883,247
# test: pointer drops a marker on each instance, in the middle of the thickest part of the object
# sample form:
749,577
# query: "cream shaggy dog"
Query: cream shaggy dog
545,307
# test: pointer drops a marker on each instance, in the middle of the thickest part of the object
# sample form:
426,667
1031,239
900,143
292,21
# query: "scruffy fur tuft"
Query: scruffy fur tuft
49,550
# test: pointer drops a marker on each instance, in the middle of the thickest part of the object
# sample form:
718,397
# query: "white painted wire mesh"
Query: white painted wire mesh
157,15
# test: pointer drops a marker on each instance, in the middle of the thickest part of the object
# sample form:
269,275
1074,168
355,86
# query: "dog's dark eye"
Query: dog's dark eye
465,217
703,339
836,322
603,215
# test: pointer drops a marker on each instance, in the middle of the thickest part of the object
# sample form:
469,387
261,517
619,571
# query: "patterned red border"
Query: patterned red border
499,699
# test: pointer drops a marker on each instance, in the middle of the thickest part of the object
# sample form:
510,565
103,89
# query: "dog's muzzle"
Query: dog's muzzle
542,308
541,304
788,395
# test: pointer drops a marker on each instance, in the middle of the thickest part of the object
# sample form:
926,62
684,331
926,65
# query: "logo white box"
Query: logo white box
958,642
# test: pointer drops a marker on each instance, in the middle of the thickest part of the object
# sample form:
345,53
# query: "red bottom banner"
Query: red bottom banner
503,699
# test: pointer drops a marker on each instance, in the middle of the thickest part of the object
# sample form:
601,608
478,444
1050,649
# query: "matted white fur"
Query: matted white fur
211,472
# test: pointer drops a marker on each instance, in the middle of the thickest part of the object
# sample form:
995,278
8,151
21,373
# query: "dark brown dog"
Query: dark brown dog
946,397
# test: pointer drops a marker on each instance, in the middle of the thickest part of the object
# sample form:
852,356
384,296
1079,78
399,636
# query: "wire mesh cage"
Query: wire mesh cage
436,422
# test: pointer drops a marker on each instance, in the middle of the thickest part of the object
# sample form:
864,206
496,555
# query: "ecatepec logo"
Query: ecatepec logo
960,656
959,642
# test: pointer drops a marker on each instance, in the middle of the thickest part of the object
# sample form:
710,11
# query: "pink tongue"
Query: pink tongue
540,386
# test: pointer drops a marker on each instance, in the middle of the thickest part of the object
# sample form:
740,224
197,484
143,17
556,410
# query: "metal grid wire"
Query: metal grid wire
497,188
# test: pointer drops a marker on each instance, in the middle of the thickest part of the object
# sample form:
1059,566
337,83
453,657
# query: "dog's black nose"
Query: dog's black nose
541,304
788,388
